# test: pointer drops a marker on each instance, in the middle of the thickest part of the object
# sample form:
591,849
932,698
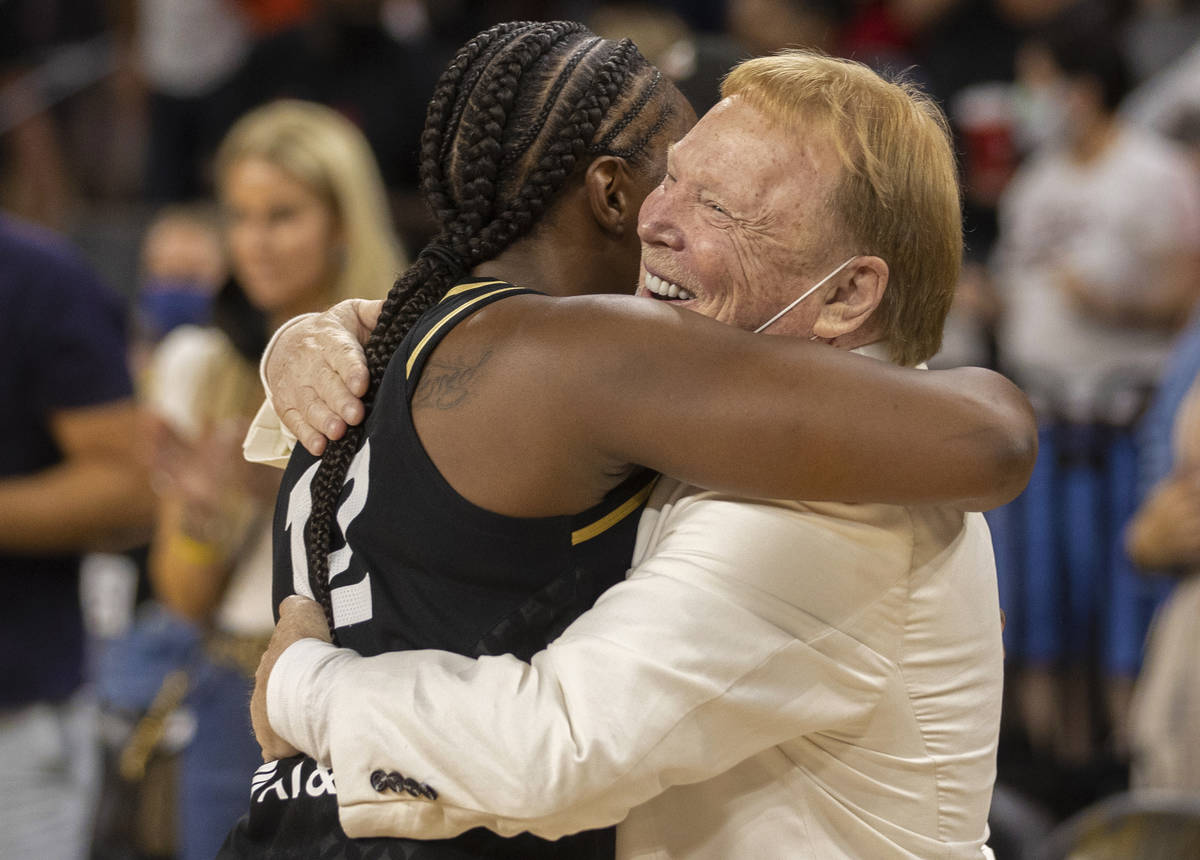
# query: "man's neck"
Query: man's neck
876,349
863,336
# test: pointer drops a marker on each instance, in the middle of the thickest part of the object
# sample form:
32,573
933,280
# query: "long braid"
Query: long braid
408,299
504,131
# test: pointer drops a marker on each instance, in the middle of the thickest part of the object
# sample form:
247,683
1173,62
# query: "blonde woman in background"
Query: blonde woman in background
305,226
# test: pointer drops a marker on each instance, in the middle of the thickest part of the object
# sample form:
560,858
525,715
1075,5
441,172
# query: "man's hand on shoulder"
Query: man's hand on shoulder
299,618
316,371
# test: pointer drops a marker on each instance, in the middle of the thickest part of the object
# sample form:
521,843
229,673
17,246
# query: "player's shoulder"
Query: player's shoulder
586,332
546,314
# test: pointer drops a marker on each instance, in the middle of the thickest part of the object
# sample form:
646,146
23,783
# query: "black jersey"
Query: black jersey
415,565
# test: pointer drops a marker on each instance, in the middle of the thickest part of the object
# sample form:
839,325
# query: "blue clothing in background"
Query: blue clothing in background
62,347
1156,452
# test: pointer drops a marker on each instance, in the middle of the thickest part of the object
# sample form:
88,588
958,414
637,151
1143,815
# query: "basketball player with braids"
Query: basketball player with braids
489,497
523,112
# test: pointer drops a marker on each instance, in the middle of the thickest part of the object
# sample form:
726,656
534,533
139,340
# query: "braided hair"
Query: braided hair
522,108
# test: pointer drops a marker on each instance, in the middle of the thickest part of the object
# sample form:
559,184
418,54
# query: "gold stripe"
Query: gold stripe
470,285
412,358
613,517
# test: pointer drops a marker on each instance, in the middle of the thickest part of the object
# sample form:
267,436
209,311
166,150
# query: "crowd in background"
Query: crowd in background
227,164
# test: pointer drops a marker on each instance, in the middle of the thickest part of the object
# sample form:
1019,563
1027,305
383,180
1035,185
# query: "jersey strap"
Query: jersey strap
459,302
621,502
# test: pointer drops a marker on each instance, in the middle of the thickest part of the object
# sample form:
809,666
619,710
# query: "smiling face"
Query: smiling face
646,175
283,238
742,223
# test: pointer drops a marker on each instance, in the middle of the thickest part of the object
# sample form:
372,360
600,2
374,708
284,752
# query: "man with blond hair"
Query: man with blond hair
773,679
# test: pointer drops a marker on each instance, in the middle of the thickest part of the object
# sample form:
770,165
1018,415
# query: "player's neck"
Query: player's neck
540,264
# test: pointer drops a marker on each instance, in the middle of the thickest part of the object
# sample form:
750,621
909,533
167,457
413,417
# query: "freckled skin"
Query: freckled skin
742,221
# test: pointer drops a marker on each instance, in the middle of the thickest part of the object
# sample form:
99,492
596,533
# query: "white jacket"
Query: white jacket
774,679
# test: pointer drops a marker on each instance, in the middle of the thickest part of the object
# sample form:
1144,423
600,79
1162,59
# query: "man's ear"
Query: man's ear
854,297
607,185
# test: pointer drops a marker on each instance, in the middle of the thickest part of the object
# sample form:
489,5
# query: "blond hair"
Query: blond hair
320,148
898,195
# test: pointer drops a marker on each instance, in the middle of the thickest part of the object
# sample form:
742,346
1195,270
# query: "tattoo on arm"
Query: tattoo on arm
447,384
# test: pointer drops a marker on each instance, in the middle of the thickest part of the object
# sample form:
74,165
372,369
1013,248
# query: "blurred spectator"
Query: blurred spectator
306,226
183,266
1158,33
695,62
876,34
186,53
963,52
343,56
1161,538
1100,250
1165,534
1098,263
766,26
968,336
270,16
1156,429
310,204
141,666
966,54
69,482
1170,102
36,174
703,16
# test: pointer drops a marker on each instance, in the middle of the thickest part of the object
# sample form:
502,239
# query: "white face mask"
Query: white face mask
806,294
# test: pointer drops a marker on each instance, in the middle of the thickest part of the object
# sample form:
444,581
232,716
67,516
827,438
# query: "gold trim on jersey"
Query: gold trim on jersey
454,315
614,516
469,285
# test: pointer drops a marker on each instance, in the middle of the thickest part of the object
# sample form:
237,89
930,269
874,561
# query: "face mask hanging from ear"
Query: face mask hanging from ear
806,294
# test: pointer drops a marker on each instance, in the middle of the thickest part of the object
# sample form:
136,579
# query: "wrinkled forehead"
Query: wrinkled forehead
739,149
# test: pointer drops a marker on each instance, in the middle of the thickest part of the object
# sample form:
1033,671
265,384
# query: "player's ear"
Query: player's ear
608,185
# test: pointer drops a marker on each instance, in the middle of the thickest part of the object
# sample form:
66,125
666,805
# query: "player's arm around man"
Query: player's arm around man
717,646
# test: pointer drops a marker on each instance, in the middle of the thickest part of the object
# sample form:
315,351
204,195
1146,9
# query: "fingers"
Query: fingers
319,410
317,374
273,746
351,367
319,416
347,329
368,314
332,387
296,603
302,618
317,423
312,439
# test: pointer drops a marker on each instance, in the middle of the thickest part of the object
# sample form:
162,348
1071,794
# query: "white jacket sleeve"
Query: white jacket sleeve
269,441
723,643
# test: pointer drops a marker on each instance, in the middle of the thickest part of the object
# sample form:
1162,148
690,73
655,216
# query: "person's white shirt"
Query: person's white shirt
187,367
773,679
175,60
1112,223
